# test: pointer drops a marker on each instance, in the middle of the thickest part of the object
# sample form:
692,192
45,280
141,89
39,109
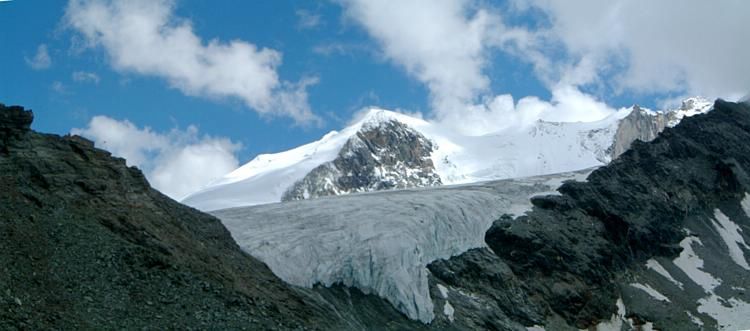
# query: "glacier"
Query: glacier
380,242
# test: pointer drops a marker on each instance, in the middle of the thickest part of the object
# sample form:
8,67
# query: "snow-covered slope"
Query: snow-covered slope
380,242
266,178
386,150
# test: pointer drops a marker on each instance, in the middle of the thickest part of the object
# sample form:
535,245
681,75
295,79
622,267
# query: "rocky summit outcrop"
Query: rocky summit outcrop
381,156
641,125
87,244
657,238
644,125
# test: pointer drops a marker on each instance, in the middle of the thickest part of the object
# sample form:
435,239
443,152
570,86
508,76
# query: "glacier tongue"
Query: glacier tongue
380,242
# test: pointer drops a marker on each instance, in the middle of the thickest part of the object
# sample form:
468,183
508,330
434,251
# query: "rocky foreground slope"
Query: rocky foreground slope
86,244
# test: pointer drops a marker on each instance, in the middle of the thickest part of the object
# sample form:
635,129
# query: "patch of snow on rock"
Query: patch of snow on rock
658,268
443,291
694,319
616,322
691,264
651,291
732,314
730,233
745,203
448,311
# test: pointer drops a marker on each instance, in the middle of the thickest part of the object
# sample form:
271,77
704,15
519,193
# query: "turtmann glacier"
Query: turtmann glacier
381,242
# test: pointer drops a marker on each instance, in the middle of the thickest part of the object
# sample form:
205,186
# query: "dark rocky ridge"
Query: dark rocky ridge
567,261
85,243
387,156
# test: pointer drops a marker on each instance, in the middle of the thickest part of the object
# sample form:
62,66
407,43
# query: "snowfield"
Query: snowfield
380,242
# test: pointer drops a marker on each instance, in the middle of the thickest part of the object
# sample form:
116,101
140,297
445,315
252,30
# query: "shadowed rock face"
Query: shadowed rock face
568,261
86,243
387,156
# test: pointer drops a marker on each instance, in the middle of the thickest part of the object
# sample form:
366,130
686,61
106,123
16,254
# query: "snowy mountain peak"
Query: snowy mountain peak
271,177
696,103
642,110
384,154
374,117
384,149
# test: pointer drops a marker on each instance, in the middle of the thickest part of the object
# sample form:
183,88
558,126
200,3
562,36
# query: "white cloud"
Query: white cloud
145,37
671,47
502,112
41,59
307,19
59,87
85,76
176,163
440,43
693,47
448,44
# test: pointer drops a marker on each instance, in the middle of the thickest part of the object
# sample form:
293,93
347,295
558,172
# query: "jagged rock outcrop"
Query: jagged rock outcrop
662,230
14,121
86,243
640,125
381,156
644,125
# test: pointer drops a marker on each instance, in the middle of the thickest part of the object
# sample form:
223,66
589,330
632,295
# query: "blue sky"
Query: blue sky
326,60
347,81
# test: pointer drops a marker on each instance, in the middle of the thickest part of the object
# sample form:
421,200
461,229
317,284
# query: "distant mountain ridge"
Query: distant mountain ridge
388,150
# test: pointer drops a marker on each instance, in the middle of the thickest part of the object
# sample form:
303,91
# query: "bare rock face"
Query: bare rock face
386,156
638,125
645,125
